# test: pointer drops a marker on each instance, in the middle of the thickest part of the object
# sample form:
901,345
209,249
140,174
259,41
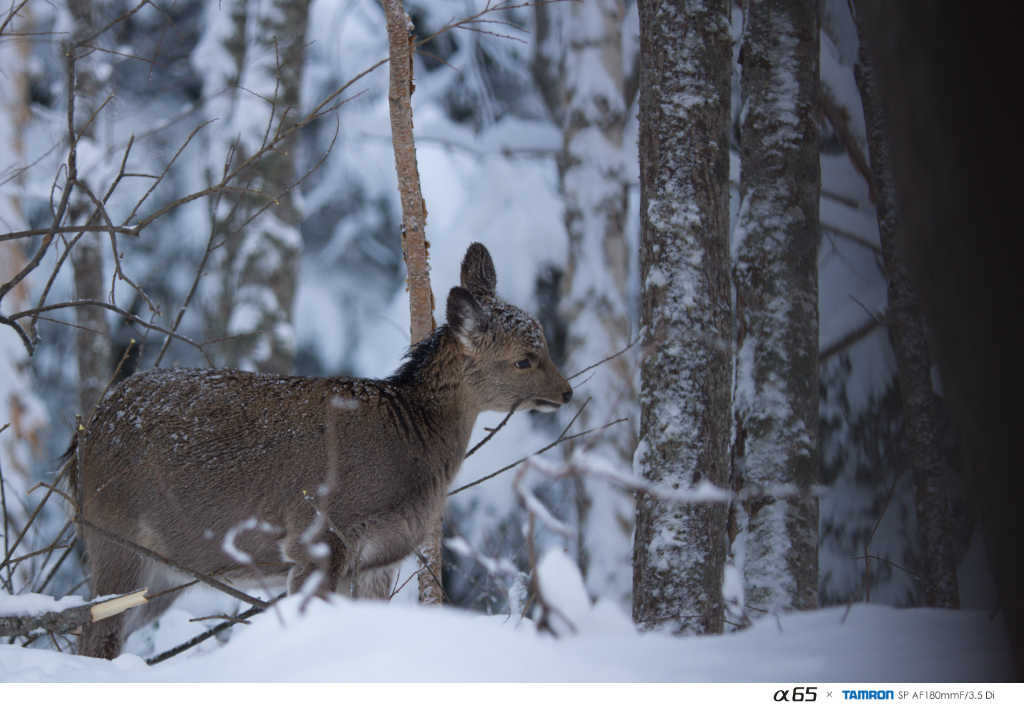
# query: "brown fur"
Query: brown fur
212,468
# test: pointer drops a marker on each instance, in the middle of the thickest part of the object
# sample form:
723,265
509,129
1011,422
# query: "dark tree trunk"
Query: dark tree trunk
928,464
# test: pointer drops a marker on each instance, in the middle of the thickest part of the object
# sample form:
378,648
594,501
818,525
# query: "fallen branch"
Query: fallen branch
69,620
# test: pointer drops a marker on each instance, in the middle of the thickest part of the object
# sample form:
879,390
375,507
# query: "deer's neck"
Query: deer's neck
433,375
432,379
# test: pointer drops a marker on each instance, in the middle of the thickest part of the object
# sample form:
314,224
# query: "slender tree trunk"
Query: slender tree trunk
776,278
929,466
88,66
258,263
414,243
686,311
93,333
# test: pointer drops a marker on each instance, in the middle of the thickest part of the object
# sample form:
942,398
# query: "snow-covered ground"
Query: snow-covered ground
346,641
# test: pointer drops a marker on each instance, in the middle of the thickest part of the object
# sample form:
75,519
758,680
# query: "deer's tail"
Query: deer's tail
68,477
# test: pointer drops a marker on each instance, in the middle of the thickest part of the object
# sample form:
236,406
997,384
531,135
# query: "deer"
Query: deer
320,484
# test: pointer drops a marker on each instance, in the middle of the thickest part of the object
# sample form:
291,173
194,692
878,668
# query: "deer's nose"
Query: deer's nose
567,396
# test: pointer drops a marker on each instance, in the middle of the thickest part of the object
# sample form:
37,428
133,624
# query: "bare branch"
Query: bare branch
24,530
163,174
119,54
201,346
53,277
849,339
21,333
839,118
41,587
13,12
153,555
231,622
619,353
115,22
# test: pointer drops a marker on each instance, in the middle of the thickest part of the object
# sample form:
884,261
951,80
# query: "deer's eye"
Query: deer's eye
523,364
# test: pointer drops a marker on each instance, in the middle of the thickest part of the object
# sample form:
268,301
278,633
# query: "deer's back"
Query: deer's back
219,447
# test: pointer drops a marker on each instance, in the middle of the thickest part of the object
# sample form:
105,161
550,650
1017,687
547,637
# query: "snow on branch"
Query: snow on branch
30,615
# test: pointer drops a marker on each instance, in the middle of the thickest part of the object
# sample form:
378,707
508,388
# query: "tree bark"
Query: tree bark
776,278
93,333
87,66
929,467
686,311
414,243
414,211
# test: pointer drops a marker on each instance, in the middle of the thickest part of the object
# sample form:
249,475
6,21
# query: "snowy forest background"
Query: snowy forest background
186,91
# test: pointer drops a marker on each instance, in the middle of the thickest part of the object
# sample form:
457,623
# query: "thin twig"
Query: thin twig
28,525
7,582
252,612
149,553
123,313
909,572
235,620
543,449
41,587
425,565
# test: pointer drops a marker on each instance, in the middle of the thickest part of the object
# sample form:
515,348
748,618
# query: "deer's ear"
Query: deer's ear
478,276
465,316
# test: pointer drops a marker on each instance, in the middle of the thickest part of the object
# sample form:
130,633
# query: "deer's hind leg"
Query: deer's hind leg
117,571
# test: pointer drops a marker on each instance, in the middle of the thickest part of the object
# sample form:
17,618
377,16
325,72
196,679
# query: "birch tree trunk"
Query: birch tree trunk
23,418
776,279
686,312
414,243
261,60
929,467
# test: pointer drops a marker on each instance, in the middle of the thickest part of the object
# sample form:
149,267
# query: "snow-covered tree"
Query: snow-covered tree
596,306
580,60
686,311
942,77
251,59
776,280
